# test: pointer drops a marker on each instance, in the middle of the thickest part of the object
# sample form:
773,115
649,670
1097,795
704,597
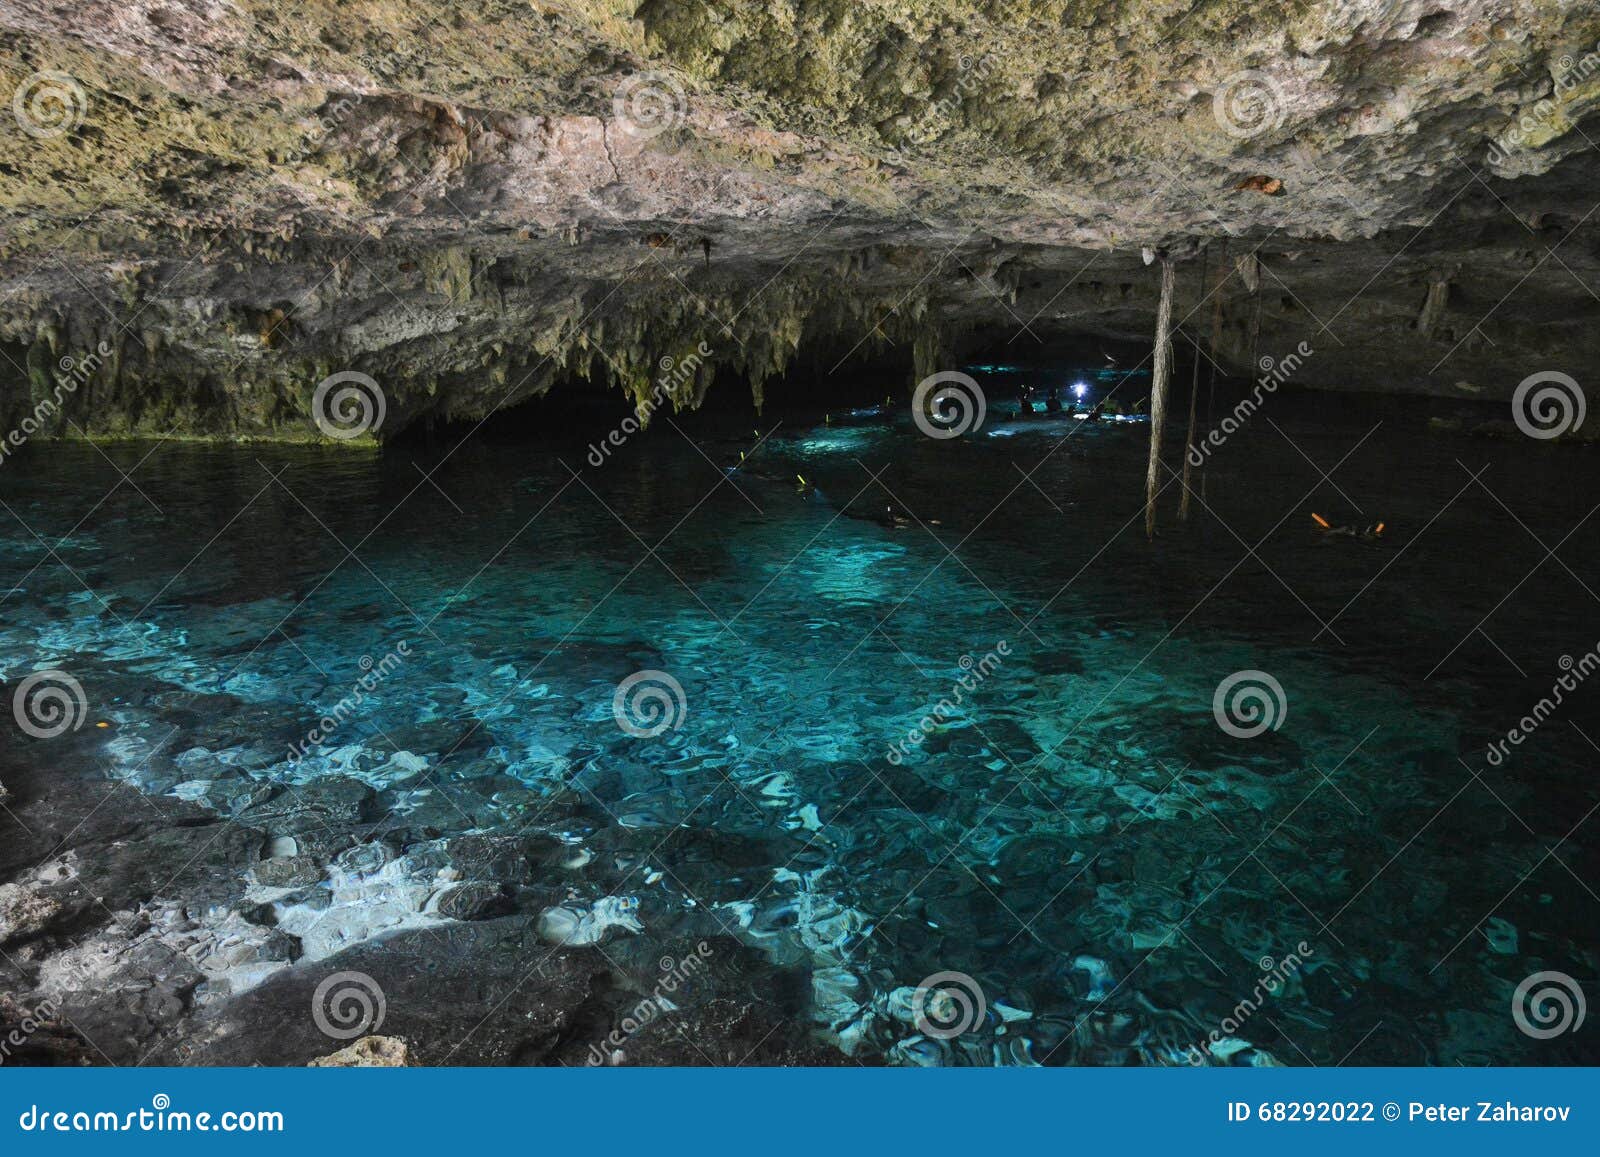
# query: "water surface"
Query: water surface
1114,871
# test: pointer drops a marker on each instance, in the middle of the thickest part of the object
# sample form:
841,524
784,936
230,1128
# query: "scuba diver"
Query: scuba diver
1052,401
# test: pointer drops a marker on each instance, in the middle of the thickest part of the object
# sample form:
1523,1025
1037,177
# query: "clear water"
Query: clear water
1079,837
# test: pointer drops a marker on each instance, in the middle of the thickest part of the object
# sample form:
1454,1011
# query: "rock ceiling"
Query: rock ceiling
209,207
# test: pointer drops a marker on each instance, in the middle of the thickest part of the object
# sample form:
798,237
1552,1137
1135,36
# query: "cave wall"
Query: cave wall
210,208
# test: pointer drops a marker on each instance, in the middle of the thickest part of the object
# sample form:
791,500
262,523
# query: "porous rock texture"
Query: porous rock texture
143,929
210,206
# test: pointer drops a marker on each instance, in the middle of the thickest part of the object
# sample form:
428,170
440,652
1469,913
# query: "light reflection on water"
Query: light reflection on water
1080,837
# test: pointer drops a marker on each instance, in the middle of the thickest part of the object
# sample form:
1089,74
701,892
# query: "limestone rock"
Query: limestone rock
24,911
287,872
929,171
472,901
370,1052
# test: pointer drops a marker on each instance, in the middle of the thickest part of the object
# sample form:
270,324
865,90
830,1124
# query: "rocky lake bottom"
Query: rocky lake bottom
933,707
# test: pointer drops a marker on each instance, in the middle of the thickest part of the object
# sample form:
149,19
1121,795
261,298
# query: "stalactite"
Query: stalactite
1433,306
925,349
39,360
1158,394
1249,267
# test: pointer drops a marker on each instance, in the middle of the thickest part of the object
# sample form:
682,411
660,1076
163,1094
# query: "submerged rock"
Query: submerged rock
287,872
24,911
471,901
573,926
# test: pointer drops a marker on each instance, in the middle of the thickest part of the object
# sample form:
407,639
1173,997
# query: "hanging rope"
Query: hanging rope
1158,394
1194,397
1255,321
1223,273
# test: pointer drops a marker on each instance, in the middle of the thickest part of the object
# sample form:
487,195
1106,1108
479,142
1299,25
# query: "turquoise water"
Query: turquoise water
1113,871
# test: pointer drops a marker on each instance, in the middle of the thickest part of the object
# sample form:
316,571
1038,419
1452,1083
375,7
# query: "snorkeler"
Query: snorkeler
889,517
1326,529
